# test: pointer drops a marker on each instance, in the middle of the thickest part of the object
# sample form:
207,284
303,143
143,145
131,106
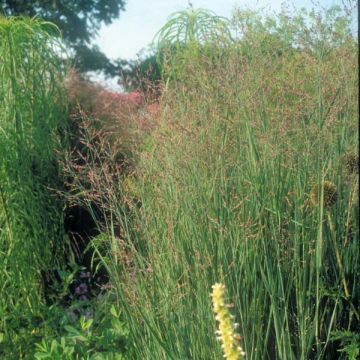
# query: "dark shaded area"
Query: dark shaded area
89,280
81,227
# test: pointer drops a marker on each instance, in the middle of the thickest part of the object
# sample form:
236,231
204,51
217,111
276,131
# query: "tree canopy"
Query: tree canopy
79,22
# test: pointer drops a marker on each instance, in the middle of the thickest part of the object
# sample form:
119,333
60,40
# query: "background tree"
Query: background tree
79,22
144,74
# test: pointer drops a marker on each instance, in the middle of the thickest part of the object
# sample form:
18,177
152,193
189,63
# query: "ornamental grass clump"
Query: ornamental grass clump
188,35
237,135
226,332
32,132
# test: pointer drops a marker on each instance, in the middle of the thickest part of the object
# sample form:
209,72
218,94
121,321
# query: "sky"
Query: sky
137,25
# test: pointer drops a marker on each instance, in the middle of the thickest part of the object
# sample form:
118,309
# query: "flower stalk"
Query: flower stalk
226,331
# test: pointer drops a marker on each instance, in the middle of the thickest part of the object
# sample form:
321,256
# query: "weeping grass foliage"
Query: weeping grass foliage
223,193
186,35
31,121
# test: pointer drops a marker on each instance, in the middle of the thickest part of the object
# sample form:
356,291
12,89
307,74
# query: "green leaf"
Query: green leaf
62,342
40,355
54,345
113,311
71,330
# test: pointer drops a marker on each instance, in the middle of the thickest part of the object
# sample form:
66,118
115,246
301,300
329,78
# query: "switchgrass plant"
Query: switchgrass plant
32,122
223,192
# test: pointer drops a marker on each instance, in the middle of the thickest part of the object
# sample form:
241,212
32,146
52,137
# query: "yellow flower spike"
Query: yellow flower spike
226,332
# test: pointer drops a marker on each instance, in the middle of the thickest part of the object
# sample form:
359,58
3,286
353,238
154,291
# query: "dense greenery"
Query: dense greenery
78,21
245,182
31,117
33,243
246,176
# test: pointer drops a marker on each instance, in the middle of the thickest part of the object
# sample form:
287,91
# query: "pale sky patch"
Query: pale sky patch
136,27
138,24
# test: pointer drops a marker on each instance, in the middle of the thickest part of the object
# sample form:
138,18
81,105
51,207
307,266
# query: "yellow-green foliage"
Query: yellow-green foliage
31,132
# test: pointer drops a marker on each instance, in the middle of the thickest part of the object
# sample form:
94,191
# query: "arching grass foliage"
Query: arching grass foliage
32,117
